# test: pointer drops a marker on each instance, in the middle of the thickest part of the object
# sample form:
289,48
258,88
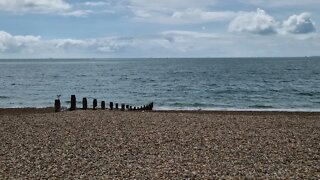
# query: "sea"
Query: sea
248,84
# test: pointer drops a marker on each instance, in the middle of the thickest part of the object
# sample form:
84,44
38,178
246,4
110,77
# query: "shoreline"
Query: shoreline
64,109
33,110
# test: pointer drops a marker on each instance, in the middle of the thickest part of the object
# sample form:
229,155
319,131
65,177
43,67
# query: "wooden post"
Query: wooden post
117,106
84,104
57,105
95,104
130,108
144,107
103,105
111,105
151,106
134,108
73,103
122,107
127,107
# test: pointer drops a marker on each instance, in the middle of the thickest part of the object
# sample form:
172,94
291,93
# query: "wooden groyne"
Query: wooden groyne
123,106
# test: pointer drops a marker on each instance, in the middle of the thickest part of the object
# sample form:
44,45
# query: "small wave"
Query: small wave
240,109
293,69
178,104
234,91
261,106
285,81
275,90
306,94
310,94
81,75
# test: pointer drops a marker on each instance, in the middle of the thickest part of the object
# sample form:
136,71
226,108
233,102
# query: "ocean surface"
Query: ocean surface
289,84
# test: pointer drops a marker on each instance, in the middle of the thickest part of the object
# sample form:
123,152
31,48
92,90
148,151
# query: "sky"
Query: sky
163,28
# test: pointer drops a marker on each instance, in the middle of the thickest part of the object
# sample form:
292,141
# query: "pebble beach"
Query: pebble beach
104,144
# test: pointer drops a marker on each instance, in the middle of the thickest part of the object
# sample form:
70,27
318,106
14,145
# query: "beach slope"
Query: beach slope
152,145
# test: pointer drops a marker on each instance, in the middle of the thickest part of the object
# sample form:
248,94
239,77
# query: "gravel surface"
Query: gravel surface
159,145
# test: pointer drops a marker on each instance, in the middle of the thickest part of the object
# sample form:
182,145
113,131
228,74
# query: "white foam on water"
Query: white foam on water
165,108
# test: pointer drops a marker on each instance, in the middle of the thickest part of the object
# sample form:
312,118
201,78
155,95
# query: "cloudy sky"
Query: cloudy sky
163,28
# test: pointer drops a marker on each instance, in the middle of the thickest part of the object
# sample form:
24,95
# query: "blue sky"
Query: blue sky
166,28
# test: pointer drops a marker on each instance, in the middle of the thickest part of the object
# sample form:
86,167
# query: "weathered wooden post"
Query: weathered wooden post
73,103
130,108
127,107
57,105
151,106
103,105
95,104
111,105
122,107
134,108
144,107
84,103
117,106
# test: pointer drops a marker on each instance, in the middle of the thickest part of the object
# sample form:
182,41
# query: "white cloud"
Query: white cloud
282,3
9,43
168,43
165,44
177,11
171,35
59,7
112,44
188,16
108,45
170,5
199,16
258,22
299,24
24,44
96,3
77,13
67,43
40,6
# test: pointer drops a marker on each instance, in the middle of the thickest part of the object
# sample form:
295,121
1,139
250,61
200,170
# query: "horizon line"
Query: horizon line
241,57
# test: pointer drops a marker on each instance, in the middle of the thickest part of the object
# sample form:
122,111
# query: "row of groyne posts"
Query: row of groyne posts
112,106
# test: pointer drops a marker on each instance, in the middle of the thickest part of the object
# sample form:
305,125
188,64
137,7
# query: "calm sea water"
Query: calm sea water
238,83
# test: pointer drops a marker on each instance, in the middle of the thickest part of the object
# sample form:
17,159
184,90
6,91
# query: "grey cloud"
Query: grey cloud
299,24
58,7
37,6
